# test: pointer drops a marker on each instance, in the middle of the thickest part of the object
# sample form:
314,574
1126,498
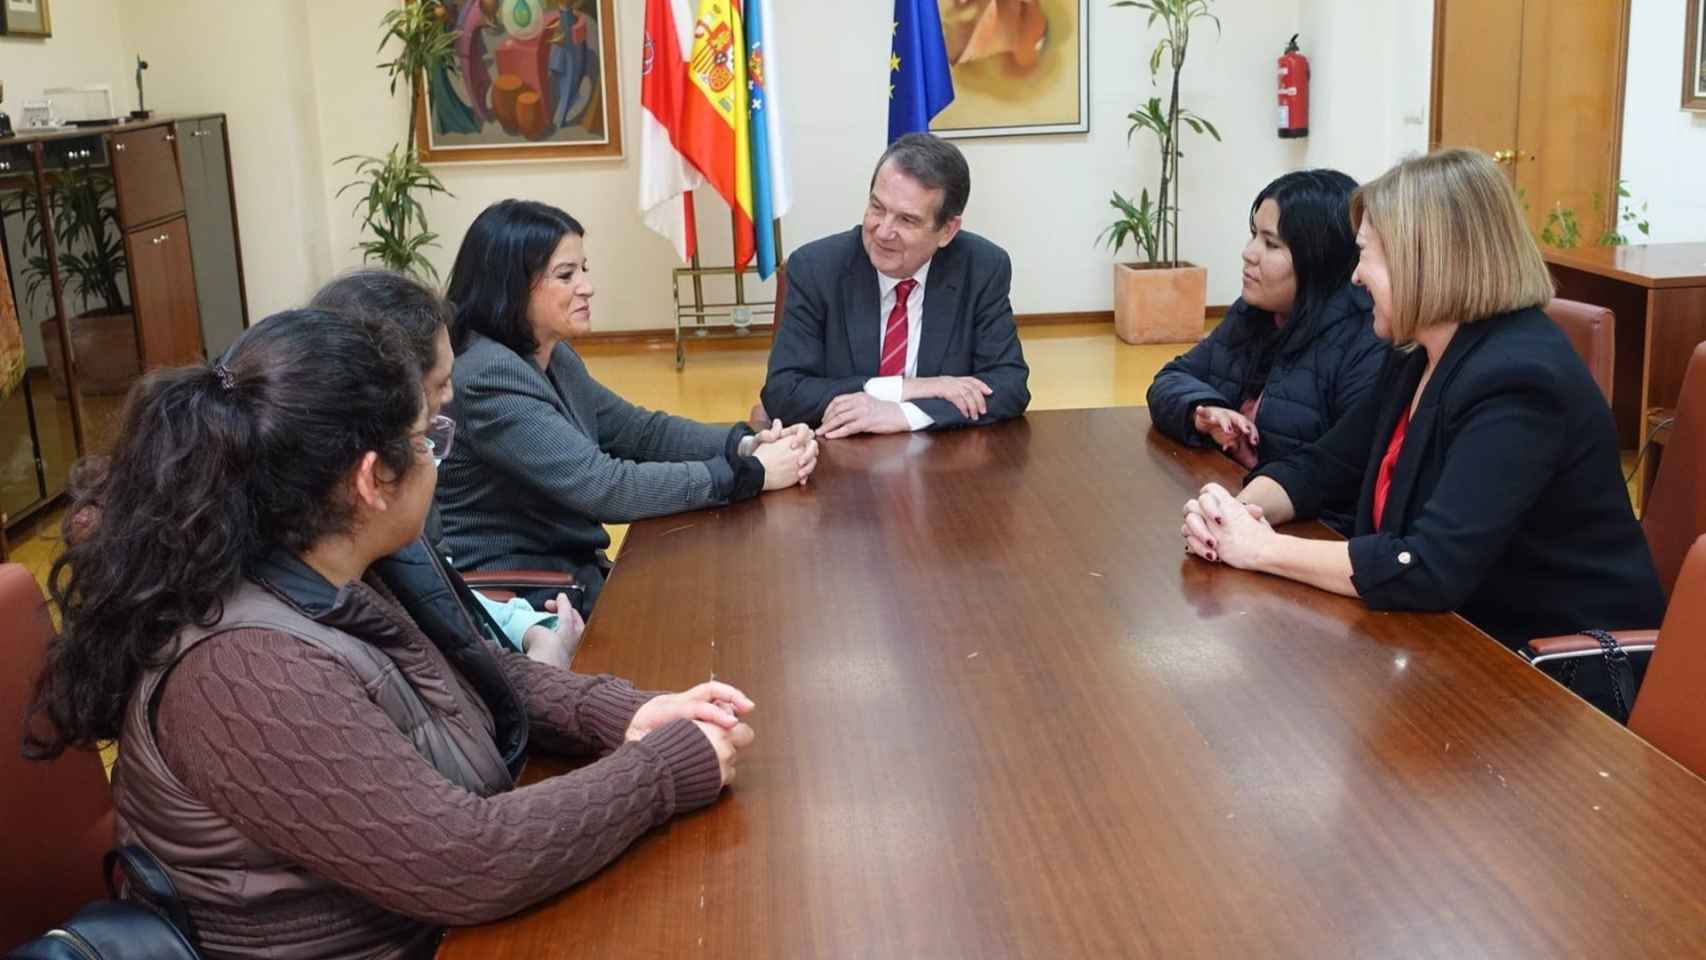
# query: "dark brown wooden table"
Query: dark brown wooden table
1658,293
1001,714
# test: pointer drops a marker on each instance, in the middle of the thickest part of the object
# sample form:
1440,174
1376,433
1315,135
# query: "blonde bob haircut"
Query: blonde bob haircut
1457,248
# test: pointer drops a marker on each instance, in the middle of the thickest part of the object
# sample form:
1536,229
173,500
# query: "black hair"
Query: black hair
214,466
387,296
505,250
937,165
1315,224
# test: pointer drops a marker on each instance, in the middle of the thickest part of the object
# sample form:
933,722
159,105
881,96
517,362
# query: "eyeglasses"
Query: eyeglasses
439,435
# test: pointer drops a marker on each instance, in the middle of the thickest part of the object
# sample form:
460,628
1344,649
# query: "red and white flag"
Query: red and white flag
667,177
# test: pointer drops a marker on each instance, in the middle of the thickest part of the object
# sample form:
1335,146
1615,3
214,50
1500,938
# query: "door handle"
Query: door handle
118,147
162,238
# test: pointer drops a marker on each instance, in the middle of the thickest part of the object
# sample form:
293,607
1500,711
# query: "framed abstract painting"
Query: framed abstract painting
1694,57
1020,67
25,18
530,80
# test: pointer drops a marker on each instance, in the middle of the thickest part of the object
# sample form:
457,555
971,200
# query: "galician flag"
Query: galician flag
715,115
771,196
667,178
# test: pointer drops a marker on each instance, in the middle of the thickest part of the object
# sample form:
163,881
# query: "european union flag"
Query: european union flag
919,84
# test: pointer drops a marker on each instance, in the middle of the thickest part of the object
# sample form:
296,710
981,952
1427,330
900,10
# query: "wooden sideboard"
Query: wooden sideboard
121,247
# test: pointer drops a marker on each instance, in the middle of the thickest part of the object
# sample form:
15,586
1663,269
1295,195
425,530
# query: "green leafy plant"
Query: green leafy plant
1157,233
390,208
1563,230
1138,223
389,187
82,208
1629,217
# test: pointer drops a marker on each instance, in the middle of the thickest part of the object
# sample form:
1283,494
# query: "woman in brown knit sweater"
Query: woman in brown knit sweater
319,776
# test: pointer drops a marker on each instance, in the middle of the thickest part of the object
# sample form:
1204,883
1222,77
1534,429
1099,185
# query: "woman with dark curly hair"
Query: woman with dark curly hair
320,774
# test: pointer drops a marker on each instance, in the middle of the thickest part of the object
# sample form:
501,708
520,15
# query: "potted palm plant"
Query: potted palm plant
82,209
1161,298
389,187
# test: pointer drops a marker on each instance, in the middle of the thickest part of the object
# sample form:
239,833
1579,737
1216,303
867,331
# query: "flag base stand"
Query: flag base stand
743,317
695,319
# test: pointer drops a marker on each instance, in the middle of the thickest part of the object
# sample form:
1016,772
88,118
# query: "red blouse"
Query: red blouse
1383,480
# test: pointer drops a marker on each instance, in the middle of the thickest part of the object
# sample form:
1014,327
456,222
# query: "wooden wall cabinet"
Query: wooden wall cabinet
134,265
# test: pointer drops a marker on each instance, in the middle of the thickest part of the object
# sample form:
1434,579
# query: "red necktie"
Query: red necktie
894,337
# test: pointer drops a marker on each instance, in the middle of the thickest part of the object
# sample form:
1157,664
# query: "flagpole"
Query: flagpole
740,273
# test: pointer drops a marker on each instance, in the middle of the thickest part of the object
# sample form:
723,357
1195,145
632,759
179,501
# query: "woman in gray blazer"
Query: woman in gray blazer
545,455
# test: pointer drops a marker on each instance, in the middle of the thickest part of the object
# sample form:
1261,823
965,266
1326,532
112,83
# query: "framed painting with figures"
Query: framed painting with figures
1020,67
528,80
1694,57
25,18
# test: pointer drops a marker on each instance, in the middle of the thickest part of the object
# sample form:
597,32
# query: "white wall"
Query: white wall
1044,198
251,61
1664,146
87,47
298,79
1370,67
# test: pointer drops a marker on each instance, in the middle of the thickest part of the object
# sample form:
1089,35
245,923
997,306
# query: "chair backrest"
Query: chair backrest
1593,332
58,816
1675,513
1667,710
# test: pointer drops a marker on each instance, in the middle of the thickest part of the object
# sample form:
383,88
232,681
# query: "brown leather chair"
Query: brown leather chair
502,585
1593,332
1666,711
1675,512
57,816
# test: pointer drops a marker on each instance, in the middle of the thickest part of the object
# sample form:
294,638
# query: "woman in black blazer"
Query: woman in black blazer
1487,462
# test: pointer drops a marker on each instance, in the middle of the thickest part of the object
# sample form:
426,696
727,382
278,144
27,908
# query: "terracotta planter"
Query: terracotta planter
106,354
1159,304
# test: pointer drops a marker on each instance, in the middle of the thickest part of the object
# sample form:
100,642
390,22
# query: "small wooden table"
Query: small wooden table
1658,292
1001,714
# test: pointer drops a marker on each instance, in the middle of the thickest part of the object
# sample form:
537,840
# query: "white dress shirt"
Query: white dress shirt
889,388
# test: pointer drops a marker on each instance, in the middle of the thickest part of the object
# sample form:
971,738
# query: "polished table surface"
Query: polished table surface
1647,264
1002,714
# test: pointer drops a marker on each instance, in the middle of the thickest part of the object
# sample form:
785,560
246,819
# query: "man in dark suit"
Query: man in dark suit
902,323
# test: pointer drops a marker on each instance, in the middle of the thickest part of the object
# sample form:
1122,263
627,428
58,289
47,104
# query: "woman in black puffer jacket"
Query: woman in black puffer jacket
1296,350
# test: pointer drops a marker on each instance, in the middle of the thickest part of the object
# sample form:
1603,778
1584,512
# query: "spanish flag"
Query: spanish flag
715,115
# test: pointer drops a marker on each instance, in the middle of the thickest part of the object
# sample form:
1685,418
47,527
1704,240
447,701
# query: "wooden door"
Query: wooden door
1477,72
168,322
145,168
1570,115
1538,84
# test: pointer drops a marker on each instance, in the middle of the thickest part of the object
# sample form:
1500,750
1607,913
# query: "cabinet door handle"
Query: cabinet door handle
162,238
171,137
118,148
5,165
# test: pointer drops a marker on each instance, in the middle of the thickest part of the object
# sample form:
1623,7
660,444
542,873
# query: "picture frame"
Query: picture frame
26,18
1020,68
1694,57
525,87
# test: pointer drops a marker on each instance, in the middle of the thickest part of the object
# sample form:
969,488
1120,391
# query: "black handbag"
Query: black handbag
1609,681
157,928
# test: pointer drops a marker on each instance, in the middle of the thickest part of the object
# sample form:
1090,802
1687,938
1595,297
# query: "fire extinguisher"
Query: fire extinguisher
1293,92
